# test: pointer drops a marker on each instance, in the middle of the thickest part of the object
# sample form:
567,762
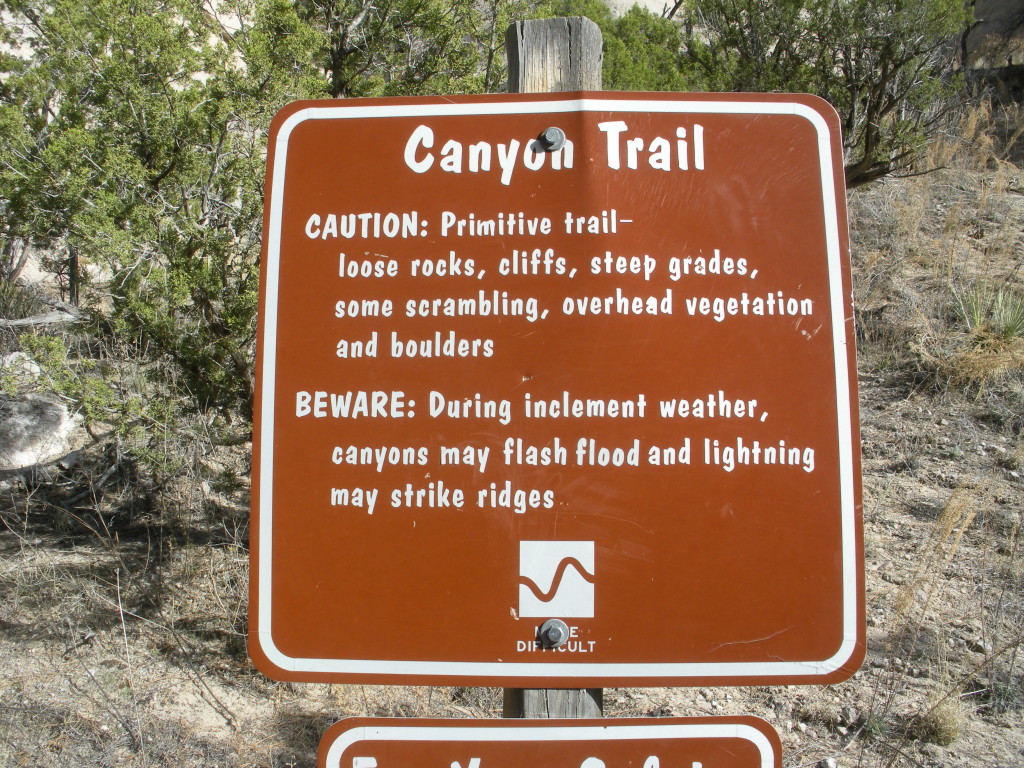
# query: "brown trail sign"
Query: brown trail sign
505,379
718,742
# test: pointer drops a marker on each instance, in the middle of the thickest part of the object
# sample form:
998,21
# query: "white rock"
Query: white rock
34,430
20,367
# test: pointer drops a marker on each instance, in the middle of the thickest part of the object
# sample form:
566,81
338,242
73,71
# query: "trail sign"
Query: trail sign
722,742
584,357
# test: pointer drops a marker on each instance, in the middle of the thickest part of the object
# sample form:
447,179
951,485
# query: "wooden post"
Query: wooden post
548,56
553,702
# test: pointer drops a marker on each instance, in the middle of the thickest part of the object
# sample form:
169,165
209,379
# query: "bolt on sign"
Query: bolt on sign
715,742
575,358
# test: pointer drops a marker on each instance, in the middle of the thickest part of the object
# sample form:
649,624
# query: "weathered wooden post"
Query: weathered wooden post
550,55
546,56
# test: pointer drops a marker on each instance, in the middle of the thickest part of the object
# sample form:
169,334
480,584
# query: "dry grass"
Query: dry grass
915,646
938,280
939,724
941,286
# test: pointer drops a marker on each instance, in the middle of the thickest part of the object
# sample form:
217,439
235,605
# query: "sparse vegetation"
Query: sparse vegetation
940,724
997,312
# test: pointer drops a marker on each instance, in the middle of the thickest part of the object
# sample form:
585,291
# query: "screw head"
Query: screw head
553,633
552,139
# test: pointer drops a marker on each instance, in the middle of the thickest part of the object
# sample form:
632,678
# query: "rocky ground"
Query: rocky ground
122,602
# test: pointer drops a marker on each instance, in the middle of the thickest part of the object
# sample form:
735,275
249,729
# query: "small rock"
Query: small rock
828,762
34,430
20,367
979,646
70,461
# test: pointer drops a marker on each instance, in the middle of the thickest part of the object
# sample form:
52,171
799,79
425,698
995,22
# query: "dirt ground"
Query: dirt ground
122,604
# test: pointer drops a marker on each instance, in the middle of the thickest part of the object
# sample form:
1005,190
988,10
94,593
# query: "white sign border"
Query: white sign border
510,669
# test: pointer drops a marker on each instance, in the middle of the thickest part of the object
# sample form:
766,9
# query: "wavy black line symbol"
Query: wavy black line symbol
563,565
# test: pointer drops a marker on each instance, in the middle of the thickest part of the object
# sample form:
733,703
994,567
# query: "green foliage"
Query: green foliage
885,65
642,51
132,141
85,385
494,18
643,54
411,47
132,144
396,48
